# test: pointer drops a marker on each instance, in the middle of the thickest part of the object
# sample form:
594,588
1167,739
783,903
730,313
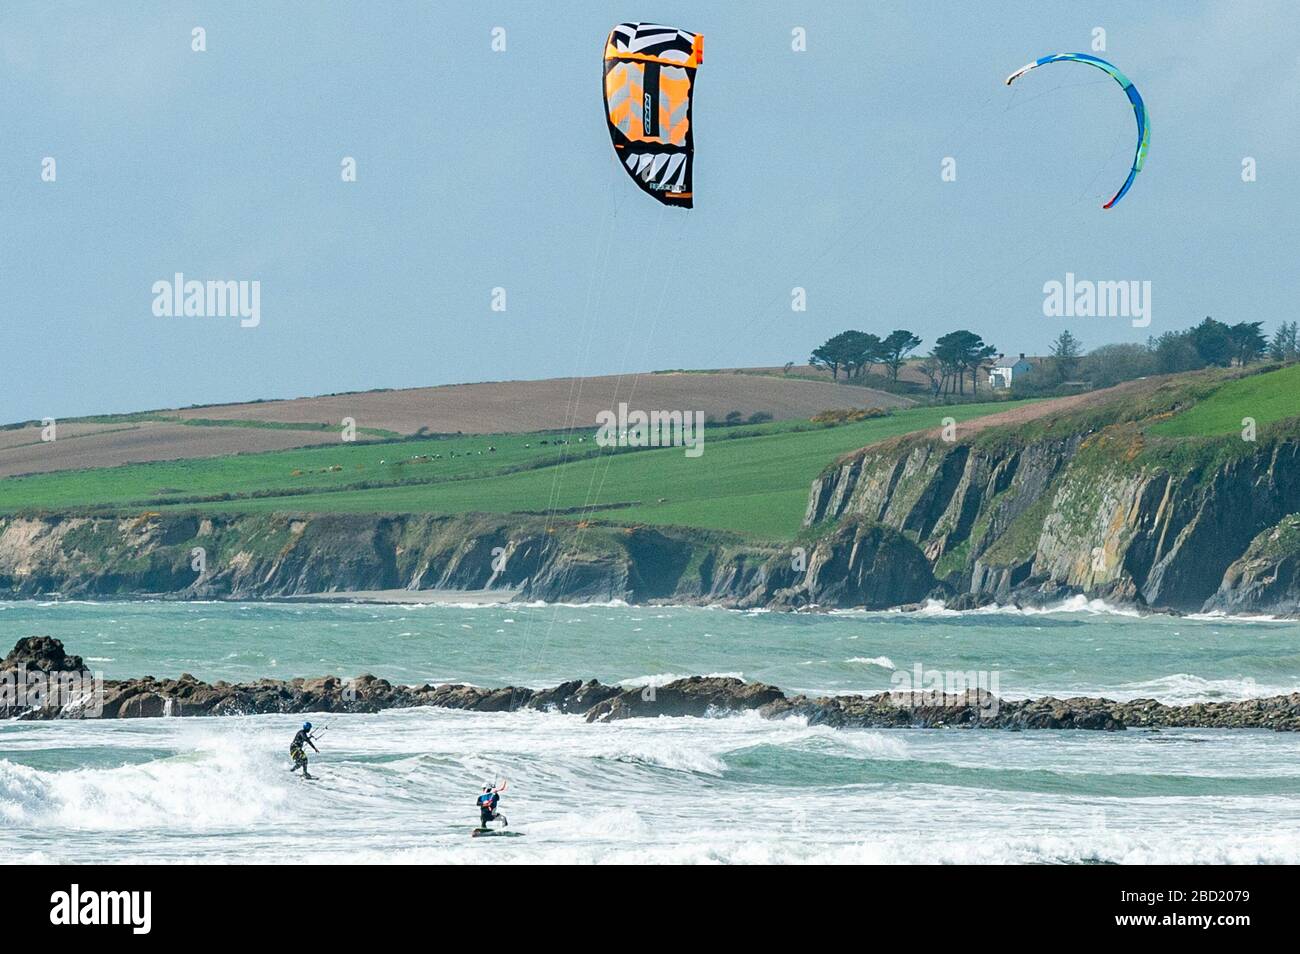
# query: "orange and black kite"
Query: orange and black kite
649,83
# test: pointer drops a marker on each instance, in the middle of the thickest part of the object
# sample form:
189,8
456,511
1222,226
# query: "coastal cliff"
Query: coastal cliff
258,556
249,557
1094,502
1087,496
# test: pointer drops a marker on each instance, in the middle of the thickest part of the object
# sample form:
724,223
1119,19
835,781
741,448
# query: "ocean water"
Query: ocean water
400,786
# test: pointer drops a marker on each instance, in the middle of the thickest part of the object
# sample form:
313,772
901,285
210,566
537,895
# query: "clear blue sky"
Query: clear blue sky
480,169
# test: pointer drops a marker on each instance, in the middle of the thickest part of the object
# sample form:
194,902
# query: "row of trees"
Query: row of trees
1211,343
962,355
954,358
857,352
1208,344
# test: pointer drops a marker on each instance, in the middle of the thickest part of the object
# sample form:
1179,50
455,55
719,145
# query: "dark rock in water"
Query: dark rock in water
694,696
970,601
44,653
573,697
698,696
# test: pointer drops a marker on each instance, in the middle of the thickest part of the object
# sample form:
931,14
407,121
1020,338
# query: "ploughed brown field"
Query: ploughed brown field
520,406
79,446
487,408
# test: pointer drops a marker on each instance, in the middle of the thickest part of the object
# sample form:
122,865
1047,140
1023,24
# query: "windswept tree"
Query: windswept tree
1248,340
895,349
979,361
933,369
1284,345
824,357
943,360
947,353
1066,351
862,350
961,353
853,352
1213,342
835,355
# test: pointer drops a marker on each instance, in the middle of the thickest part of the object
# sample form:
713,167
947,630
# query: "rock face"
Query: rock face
286,555
1038,517
861,564
1092,500
283,555
697,696
1267,577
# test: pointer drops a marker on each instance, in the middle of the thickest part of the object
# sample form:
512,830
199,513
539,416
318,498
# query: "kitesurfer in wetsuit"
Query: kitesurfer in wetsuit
296,749
487,805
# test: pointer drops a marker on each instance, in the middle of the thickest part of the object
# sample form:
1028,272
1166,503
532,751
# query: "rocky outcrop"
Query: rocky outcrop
982,710
1266,579
1106,511
43,654
861,564
695,696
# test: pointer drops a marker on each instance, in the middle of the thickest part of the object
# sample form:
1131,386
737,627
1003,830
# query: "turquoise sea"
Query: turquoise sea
400,786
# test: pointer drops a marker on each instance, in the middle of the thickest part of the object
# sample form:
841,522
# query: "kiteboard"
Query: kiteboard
496,832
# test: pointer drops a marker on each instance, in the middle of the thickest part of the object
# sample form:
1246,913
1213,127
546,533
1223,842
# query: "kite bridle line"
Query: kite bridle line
573,407
591,501
592,496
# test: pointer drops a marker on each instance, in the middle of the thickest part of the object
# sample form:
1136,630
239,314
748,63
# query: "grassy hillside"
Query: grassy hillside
484,409
327,467
753,485
1269,397
753,480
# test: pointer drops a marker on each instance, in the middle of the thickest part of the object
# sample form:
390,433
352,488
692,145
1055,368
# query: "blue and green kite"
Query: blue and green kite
1139,108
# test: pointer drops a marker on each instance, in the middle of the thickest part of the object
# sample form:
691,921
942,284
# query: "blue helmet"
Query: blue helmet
306,726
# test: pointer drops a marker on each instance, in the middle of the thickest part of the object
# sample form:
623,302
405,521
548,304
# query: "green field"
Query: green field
757,485
752,480
331,466
1268,397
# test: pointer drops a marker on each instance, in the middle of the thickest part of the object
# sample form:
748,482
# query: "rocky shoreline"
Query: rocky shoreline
42,661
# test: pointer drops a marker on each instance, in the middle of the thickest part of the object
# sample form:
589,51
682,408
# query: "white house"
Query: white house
1005,370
